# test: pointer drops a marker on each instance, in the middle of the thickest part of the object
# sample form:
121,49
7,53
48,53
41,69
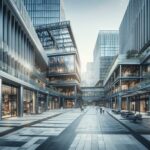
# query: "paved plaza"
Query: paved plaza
74,130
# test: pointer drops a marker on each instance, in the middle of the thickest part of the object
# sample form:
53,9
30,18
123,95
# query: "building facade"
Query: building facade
127,83
45,11
106,48
58,41
23,63
64,61
88,77
93,95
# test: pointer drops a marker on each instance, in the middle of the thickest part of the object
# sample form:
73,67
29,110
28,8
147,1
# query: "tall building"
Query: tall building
64,61
58,41
107,46
23,63
135,27
127,83
88,77
45,11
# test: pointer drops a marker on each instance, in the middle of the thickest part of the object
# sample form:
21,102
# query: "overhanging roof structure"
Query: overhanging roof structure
56,35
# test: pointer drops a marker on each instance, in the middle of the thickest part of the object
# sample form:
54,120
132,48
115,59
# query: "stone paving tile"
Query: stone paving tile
122,142
2,129
147,137
50,125
93,121
35,135
9,148
142,126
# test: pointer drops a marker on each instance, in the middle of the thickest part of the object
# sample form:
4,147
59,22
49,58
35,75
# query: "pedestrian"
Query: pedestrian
100,110
103,111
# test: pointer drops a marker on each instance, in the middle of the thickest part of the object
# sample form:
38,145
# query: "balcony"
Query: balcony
64,82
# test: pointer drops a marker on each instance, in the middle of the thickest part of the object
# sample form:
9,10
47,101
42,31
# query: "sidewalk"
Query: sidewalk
11,124
140,127
29,132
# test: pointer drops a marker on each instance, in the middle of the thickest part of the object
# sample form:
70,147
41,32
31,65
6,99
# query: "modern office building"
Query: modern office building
107,46
58,41
45,11
88,77
23,63
64,61
128,81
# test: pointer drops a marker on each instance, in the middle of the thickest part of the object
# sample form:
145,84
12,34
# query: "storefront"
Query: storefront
9,101
70,103
42,103
29,103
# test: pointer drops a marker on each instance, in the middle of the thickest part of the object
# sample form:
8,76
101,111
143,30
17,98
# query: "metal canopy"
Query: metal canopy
56,35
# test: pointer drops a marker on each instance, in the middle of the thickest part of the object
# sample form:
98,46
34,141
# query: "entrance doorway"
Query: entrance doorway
9,101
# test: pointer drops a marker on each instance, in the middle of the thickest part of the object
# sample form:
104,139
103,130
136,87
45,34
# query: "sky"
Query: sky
88,17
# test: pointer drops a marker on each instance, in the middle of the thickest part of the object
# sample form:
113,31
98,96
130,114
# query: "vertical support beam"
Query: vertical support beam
60,103
1,32
149,103
0,97
63,101
21,97
139,108
141,72
75,91
120,74
47,102
119,102
36,102
111,103
127,103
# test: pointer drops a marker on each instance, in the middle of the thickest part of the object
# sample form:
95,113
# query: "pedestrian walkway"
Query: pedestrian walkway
36,129
102,132
73,130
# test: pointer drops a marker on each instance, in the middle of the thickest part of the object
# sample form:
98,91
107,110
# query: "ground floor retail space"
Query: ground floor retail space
61,102
18,100
139,103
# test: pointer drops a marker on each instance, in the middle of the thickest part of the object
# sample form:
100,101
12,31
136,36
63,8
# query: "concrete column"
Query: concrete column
47,102
127,103
0,97
63,101
59,102
110,103
36,102
1,21
21,101
1,33
75,90
149,103
119,102
141,72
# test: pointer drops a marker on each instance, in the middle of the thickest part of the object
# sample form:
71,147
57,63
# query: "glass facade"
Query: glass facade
106,48
9,101
107,43
29,103
58,41
45,11
22,62
18,55
62,64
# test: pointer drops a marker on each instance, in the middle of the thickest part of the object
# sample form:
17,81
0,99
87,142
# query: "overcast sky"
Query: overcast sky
88,17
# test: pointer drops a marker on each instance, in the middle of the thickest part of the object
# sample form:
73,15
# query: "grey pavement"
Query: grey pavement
72,130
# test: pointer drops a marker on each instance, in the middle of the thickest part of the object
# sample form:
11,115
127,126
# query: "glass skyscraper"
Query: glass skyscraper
45,11
106,48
